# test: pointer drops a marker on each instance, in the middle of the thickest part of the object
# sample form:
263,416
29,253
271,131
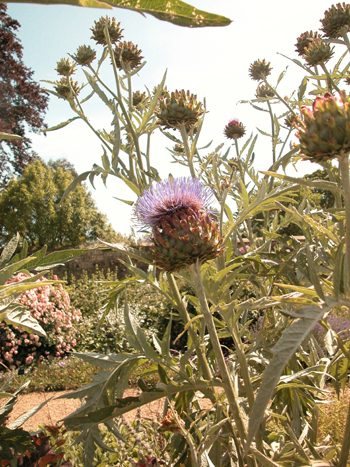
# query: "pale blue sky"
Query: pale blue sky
210,62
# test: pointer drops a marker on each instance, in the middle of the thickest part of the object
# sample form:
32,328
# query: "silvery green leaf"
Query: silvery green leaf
17,315
285,348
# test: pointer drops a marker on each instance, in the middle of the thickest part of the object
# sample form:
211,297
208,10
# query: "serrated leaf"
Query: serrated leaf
9,250
62,256
285,348
80,178
23,418
18,315
60,125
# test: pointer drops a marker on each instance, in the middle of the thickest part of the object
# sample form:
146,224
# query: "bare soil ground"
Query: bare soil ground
56,409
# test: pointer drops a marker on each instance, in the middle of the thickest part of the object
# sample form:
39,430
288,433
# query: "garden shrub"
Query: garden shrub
51,307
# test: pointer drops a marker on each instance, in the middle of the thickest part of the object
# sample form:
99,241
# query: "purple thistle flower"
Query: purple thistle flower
183,230
171,196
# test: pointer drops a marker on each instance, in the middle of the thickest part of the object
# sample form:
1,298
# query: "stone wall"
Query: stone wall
104,259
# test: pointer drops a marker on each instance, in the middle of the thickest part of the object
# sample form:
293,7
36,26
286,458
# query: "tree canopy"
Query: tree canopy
30,205
22,101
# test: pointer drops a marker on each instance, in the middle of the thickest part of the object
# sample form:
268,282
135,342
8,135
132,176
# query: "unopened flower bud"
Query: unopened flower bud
225,184
336,21
65,67
304,40
85,55
318,52
178,148
127,56
324,133
139,97
290,120
66,89
264,91
259,70
114,30
169,423
234,129
179,108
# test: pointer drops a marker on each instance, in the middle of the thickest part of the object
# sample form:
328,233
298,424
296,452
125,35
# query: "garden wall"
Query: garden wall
103,258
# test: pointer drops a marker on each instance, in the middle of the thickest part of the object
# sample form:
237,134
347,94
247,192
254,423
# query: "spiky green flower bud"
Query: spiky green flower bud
179,108
336,21
183,231
225,184
264,91
66,89
260,69
324,133
304,40
85,55
127,56
318,52
65,67
234,129
290,120
139,97
178,148
114,30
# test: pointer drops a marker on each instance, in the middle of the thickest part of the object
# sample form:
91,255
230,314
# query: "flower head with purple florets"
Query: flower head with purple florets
177,211
170,196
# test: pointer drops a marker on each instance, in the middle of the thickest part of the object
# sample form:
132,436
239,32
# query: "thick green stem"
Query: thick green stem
273,134
184,136
345,448
202,361
344,171
214,339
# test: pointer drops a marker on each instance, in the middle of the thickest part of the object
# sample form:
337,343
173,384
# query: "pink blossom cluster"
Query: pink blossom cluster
50,306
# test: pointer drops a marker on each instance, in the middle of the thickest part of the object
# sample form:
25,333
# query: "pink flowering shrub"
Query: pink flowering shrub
51,307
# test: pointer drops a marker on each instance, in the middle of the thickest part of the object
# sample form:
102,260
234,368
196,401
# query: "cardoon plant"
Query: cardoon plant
269,253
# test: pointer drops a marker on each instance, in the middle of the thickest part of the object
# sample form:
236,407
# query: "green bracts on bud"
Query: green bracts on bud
114,30
259,70
179,108
336,21
65,67
324,133
182,238
66,89
85,55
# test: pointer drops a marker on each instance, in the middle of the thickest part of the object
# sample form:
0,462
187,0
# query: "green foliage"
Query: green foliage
176,12
52,375
30,205
265,391
89,295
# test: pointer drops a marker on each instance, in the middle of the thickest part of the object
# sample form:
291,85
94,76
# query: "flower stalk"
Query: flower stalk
214,339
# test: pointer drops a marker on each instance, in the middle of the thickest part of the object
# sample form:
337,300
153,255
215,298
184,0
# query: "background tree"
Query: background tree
30,205
22,101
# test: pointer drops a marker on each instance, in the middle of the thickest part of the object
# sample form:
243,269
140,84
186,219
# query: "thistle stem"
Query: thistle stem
214,339
202,361
184,136
344,171
345,448
279,97
273,133
330,80
346,40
